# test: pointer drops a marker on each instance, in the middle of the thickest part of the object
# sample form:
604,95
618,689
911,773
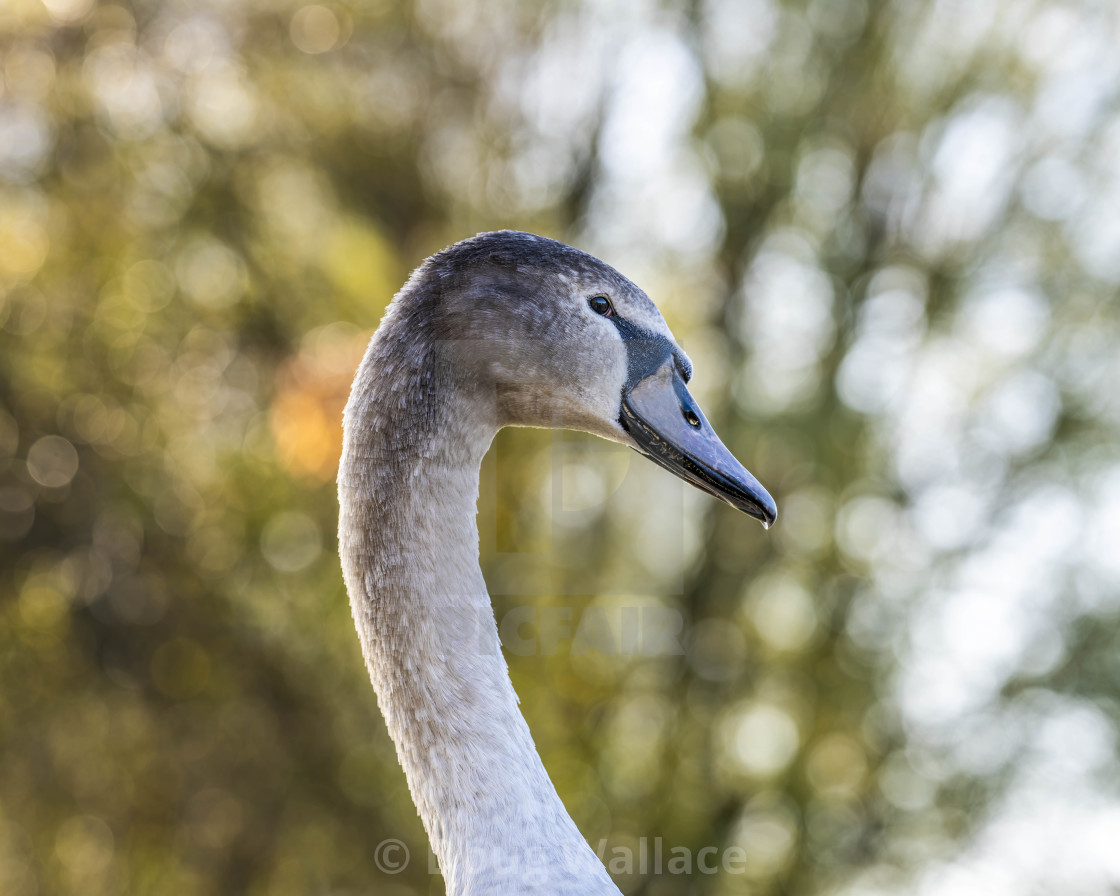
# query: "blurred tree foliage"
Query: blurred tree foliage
889,236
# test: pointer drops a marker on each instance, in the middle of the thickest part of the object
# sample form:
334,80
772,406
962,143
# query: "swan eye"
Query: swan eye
601,305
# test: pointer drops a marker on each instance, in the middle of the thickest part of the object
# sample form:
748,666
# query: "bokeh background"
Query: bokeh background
888,233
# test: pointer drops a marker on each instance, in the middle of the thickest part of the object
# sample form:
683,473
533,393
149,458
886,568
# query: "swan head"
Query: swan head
557,338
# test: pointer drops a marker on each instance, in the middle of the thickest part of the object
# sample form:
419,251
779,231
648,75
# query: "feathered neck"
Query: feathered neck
413,442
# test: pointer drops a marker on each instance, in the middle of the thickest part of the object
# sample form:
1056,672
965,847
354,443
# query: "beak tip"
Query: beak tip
765,511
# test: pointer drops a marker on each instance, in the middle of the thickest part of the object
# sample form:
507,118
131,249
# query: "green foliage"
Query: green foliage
887,236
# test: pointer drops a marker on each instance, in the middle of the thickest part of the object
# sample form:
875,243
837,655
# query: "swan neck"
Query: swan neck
414,439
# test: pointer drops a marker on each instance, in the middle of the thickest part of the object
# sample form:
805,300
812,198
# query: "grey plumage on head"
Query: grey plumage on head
513,258
517,250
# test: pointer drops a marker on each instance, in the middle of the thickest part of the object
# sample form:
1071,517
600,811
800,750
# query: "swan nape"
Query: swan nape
504,329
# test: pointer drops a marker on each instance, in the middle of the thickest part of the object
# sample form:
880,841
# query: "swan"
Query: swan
503,329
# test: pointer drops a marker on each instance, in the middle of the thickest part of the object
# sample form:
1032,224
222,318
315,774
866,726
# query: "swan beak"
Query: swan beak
669,428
